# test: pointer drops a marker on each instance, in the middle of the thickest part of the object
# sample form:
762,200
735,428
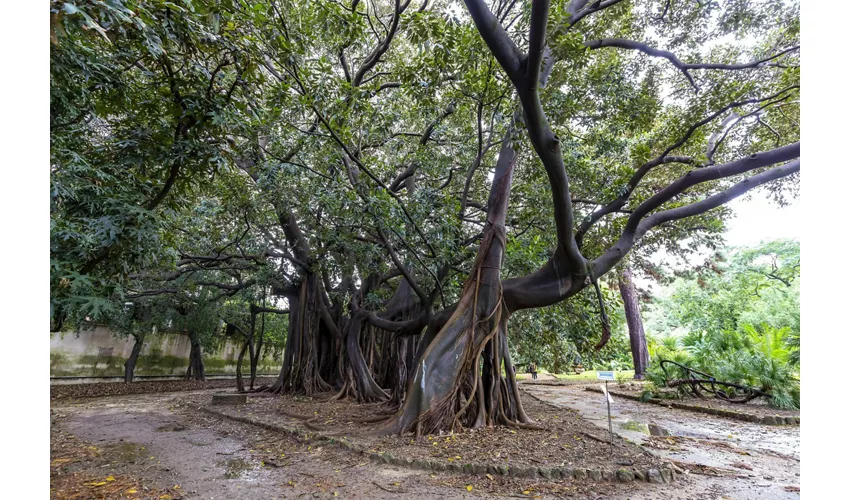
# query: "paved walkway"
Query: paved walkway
758,461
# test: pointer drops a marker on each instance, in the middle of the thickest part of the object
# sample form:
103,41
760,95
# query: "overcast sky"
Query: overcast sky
755,220
760,220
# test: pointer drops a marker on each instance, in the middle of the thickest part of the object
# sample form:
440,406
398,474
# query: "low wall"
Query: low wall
99,353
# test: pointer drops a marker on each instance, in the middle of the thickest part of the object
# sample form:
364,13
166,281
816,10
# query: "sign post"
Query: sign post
606,376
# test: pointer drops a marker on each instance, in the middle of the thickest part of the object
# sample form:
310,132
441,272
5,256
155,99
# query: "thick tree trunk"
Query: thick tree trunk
251,358
448,390
300,371
361,384
130,364
398,352
637,337
258,349
196,360
240,383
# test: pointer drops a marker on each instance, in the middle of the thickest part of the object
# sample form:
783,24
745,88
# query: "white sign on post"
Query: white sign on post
607,376
605,392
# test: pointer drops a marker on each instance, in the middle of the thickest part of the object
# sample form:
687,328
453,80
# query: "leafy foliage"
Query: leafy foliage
215,152
741,315
559,336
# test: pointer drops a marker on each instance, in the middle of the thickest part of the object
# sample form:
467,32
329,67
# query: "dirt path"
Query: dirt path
161,446
162,443
756,461
155,437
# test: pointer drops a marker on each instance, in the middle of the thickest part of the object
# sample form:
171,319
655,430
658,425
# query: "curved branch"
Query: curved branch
596,7
699,176
401,267
344,64
258,309
398,326
663,158
426,135
536,41
685,68
719,198
375,56
497,39
636,228
617,205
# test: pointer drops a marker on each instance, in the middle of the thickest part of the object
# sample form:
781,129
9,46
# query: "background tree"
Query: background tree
742,286
139,94
637,336
739,315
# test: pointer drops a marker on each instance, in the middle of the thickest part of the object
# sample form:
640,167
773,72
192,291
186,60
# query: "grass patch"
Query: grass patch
591,375
586,375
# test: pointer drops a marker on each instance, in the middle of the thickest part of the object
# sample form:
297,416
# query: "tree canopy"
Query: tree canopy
403,174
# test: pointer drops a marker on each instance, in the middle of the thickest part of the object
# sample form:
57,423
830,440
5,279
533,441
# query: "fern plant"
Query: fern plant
758,356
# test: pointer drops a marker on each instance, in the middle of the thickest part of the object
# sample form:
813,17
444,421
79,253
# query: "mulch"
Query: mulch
66,391
568,441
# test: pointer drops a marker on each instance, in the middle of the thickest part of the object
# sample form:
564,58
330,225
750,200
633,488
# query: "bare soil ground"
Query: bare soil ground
142,387
162,446
568,441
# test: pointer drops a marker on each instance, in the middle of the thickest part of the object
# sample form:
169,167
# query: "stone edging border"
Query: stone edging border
666,473
735,415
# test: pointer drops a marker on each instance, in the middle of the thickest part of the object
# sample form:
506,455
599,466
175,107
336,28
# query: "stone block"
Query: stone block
654,476
625,475
421,465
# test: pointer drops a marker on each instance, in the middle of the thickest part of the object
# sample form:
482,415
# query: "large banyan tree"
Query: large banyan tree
401,178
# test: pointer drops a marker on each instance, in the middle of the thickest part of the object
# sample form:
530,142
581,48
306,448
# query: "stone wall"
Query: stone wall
99,353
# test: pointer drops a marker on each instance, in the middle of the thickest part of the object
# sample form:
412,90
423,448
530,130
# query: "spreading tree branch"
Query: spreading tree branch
685,68
640,221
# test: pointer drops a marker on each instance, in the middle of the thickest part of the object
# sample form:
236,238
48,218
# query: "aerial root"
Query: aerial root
298,416
373,420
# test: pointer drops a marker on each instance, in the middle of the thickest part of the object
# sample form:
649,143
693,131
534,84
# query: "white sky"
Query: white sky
759,220
755,220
